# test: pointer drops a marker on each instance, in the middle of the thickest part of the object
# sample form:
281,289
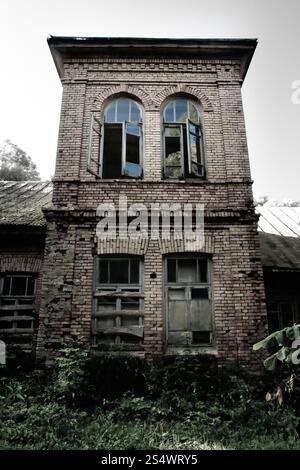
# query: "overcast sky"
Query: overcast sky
30,91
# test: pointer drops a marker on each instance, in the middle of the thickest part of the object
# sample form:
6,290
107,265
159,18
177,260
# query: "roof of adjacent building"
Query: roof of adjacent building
64,47
279,220
21,202
279,236
280,252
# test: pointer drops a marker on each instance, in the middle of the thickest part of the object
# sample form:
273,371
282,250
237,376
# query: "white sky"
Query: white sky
30,90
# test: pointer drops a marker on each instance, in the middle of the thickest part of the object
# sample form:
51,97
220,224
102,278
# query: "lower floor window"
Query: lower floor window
118,303
188,302
282,313
118,313
17,297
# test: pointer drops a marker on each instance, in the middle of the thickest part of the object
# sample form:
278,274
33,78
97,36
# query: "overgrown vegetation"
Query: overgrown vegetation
123,402
283,360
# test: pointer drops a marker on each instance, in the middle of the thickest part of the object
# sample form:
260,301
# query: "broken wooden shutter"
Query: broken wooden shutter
189,303
201,315
93,162
194,147
118,314
17,313
178,317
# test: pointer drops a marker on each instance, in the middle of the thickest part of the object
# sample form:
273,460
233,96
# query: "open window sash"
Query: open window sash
194,147
173,151
131,149
93,162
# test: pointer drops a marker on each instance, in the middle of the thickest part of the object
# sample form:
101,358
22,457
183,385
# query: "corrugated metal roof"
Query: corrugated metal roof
279,236
280,252
21,202
279,220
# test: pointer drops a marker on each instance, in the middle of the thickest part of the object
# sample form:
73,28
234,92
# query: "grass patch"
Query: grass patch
31,421
119,403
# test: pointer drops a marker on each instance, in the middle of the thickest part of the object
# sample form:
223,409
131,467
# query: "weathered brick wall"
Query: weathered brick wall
238,293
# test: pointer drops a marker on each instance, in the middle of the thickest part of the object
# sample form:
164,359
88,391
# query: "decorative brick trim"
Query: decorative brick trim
14,263
135,91
131,246
181,88
181,246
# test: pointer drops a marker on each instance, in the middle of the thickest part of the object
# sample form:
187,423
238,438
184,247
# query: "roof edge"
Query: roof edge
61,46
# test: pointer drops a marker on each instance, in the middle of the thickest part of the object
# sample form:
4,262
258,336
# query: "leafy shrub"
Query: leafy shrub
282,346
70,384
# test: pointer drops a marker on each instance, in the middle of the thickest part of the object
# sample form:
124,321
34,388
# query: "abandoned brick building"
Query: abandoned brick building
159,121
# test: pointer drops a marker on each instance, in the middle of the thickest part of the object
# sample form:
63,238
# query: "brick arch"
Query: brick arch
183,246
20,263
180,88
130,246
132,90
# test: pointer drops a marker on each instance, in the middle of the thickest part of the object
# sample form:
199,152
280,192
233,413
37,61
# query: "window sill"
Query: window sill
192,350
151,181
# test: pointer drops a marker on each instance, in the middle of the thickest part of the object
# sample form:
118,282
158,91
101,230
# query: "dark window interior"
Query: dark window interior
112,151
283,298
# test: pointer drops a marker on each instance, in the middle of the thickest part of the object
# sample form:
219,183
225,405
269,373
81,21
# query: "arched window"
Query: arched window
182,137
120,134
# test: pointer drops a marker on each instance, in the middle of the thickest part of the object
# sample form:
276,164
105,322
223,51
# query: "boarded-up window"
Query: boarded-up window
17,297
118,303
189,306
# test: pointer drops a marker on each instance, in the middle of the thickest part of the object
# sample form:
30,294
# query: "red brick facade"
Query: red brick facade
211,74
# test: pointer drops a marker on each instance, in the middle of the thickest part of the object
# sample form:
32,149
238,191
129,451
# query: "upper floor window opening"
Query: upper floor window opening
182,140
118,150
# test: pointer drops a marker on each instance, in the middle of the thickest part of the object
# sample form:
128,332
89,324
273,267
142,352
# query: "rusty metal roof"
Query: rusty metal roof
279,236
21,202
279,252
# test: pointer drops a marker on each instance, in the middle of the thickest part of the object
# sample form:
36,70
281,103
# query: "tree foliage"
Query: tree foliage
16,165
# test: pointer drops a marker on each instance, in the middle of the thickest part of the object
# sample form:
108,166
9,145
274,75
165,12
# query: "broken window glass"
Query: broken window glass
115,148
194,149
183,147
173,152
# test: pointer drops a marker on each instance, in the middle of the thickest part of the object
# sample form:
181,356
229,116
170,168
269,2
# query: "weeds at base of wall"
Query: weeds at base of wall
123,402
